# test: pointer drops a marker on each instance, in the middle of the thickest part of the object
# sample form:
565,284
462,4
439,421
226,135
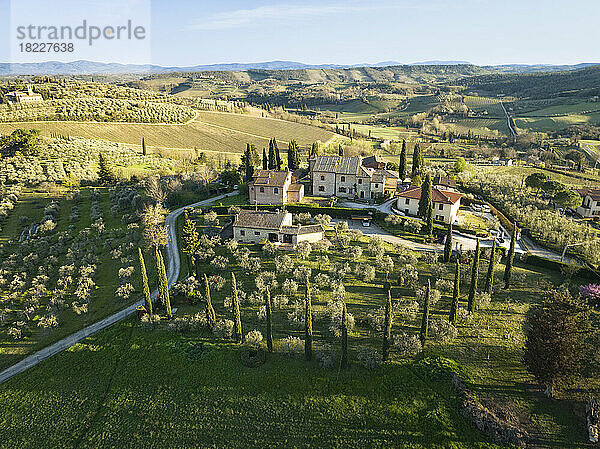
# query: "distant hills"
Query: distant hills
91,67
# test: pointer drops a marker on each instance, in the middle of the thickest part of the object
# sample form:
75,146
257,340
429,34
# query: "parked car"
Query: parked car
366,223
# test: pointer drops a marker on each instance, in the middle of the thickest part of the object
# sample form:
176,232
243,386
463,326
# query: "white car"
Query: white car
366,223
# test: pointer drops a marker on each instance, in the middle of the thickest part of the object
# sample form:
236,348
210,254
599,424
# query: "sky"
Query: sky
188,32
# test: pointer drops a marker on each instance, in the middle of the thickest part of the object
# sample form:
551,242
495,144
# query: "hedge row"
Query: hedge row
542,262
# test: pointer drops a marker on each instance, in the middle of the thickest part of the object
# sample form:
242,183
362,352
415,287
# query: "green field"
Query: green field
213,131
555,123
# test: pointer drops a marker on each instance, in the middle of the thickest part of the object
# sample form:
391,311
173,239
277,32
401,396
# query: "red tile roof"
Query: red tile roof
437,195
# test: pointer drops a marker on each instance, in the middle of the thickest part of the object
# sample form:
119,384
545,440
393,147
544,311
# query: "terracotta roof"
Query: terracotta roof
593,193
373,161
437,195
271,178
302,230
259,219
337,164
295,187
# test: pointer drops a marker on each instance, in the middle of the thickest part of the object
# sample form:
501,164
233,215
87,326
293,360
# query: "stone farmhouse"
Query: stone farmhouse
257,226
274,187
590,207
24,97
347,177
445,203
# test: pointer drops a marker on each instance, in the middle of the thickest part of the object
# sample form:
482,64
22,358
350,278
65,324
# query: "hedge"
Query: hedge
542,262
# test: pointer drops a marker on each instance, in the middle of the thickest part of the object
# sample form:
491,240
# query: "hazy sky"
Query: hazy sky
188,32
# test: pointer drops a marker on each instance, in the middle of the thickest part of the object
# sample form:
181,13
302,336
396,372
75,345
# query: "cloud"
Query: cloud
242,17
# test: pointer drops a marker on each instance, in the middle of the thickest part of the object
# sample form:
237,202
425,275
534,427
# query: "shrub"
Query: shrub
254,338
407,345
223,329
369,358
591,292
442,330
292,346
325,355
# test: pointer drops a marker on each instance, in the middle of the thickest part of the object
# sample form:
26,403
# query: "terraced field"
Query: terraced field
211,131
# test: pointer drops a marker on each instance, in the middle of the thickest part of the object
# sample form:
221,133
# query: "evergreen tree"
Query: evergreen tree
417,160
272,156
277,155
423,334
489,279
429,221
143,147
387,326
265,160
211,316
269,323
344,361
293,156
510,257
340,150
105,174
455,293
190,239
448,244
425,201
163,288
146,287
402,169
160,305
474,277
555,347
248,162
308,331
237,319
314,149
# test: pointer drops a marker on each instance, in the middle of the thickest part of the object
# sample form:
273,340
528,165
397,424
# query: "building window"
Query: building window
275,190
322,178
406,211
439,217
407,201
242,232
343,189
441,206
343,179
256,232
262,190
376,186
360,180
321,188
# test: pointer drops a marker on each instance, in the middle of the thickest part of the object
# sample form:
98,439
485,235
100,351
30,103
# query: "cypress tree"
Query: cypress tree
489,279
423,334
165,300
269,323
417,160
143,147
293,156
448,244
344,361
211,316
314,150
429,221
237,319
474,277
308,323
105,174
277,155
425,201
340,150
190,239
146,287
272,156
265,160
248,162
455,293
402,170
387,327
159,300
510,257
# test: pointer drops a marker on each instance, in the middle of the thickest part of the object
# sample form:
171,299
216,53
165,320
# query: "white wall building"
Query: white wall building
445,203
277,227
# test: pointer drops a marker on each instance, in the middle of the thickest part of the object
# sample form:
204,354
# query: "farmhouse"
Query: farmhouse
256,226
347,177
444,183
274,187
24,97
590,206
445,203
